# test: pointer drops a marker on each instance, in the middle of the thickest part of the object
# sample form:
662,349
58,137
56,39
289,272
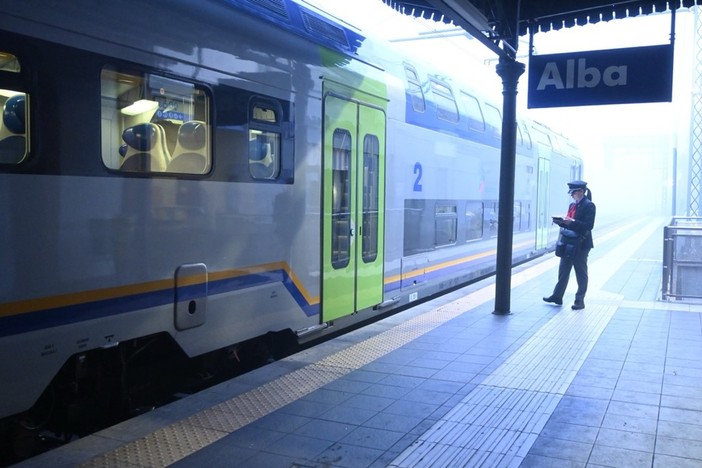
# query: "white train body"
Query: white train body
314,190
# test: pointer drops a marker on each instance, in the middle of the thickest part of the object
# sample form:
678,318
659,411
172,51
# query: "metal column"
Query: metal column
509,70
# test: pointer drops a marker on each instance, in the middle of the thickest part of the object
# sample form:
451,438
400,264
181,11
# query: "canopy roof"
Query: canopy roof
493,21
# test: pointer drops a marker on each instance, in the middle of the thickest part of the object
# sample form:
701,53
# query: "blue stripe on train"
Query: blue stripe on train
64,315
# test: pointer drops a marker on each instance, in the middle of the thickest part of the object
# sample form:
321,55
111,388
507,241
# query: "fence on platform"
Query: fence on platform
682,259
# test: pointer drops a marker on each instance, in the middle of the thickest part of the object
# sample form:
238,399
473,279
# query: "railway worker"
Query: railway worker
580,219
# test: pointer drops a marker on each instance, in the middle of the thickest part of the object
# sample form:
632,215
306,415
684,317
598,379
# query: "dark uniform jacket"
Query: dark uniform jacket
584,221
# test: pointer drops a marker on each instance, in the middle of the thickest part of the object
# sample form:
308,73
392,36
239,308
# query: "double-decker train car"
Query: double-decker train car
181,177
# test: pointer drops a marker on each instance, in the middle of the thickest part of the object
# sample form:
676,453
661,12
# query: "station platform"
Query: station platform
450,384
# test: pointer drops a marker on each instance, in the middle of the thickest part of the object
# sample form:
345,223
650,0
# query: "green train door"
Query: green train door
353,207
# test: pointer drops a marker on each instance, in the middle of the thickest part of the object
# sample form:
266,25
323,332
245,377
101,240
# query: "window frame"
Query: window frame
144,80
445,101
11,86
476,216
275,129
370,206
471,103
446,213
341,199
414,89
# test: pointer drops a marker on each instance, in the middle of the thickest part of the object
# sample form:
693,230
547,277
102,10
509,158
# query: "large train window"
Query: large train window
264,139
446,108
341,199
414,89
445,224
476,121
154,124
14,144
474,220
371,186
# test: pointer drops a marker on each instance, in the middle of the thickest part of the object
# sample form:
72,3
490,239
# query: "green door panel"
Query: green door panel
339,264
353,207
371,201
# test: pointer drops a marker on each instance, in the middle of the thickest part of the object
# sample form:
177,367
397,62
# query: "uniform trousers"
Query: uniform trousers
579,262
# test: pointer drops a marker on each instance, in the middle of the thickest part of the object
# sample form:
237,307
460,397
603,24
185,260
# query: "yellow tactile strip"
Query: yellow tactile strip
162,447
174,442
178,440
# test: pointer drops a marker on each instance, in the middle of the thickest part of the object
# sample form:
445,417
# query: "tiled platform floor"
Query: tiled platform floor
448,383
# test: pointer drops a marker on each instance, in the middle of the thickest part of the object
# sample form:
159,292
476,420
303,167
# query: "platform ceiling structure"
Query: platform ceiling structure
498,24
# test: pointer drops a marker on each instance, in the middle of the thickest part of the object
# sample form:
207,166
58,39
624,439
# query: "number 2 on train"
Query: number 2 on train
418,171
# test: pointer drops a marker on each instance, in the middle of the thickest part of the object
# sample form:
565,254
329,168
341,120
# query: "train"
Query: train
180,178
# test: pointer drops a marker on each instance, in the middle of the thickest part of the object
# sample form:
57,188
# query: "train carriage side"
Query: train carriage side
443,179
174,186
175,194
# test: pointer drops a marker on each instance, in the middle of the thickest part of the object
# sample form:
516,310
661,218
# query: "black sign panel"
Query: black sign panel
617,76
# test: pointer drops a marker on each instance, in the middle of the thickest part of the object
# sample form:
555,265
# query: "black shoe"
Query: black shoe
553,300
578,306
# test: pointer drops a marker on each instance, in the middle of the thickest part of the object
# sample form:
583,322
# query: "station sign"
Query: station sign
615,76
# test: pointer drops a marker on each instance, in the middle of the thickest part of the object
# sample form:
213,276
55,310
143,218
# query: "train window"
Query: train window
493,116
446,108
264,139
151,123
490,216
476,121
9,63
341,199
445,225
371,186
418,237
14,141
474,220
264,154
414,89
263,115
14,144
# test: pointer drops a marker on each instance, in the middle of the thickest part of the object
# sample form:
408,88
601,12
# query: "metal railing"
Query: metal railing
682,259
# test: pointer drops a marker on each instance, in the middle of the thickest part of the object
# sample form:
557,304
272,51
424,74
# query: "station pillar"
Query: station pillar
509,70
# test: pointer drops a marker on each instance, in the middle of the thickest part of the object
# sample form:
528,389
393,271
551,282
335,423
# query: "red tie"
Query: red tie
571,210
